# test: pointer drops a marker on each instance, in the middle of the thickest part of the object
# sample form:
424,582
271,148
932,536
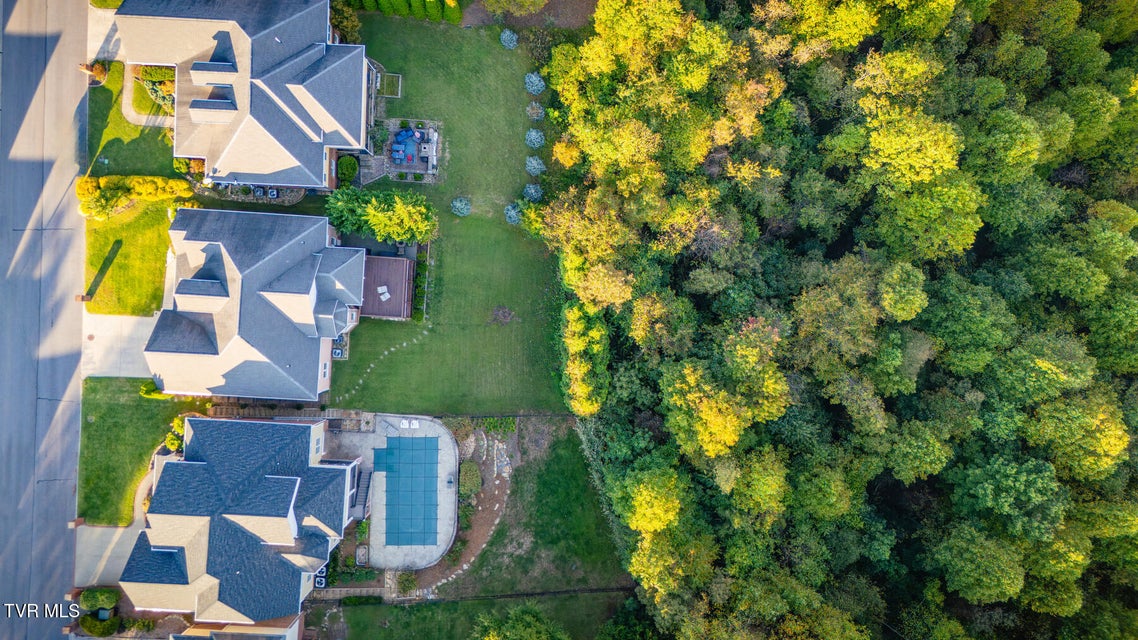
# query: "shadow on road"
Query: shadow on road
112,253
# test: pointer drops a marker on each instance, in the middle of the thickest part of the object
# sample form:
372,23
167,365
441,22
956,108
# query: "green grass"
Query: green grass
106,4
143,103
464,364
120,431
581,615
126,260
553,513
127,148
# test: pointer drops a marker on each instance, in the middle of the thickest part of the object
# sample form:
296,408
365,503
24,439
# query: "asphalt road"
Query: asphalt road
42,114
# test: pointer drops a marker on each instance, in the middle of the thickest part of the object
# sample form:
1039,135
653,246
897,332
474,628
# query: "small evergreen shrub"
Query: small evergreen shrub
465,517
150,390
418,177
434,10
346,168
535,111
535,139
460,207
535,84
534,166
403,124
99,598
418,9
454,554
386,7
469,479
513,213
402,175
509,39
182,165
363,529
532,192
369,5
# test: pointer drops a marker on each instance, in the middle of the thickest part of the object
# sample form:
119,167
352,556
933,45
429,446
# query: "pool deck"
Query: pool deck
354,444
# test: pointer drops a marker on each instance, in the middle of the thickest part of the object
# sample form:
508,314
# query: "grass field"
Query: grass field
553,535
120,431
126,260
581,615
464,364
128,149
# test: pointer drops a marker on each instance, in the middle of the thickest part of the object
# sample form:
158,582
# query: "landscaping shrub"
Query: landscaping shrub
452,12
403,124
398,216
534,166
139,624
513,213
407,582
376,5
346,168
535,84
535,111
418,9
402,175
182,165
99,628
418,177
532,192
508,38
99,72
99,598
501,425
173,442
535,139
460,207
150,390
356,4
469,479
434,10
197,166
363,528
454,554
155,73
401,8
465,517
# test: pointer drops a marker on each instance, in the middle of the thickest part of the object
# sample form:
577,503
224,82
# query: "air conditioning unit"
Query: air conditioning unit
321,582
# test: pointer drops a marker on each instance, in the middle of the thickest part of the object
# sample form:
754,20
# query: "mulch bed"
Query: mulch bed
564,14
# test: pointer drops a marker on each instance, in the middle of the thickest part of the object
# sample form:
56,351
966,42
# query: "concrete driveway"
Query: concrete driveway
112,345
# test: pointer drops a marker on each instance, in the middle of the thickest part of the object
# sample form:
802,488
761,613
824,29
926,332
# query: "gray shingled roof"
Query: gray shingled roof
252,344
261,93
246,468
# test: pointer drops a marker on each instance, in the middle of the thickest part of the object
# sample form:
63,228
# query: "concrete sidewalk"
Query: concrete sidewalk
112,345
103,42
102,552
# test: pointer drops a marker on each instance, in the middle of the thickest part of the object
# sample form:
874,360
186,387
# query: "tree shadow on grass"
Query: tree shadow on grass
108,260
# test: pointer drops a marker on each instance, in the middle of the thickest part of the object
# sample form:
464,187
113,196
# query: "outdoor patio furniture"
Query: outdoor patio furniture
381,290
272,193
414,424
258,192
385,296
404,424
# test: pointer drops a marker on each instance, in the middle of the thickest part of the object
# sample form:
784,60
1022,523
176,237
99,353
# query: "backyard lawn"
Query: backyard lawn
120,431
126,260
461,361
581,615
117,147
552,536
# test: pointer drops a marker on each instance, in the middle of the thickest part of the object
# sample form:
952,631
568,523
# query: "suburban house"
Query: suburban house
261,95
239,528
253,305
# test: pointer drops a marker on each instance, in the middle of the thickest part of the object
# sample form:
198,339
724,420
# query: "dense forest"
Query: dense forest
853,331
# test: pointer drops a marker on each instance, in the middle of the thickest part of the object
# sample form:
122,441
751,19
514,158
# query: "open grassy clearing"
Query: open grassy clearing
553,535
120,431
126,260
464,363
117,147
581,615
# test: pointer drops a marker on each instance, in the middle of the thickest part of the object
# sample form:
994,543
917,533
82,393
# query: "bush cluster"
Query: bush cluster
454,554
509,39
535,139
155,73
346,168
465,516
534,166
469,479
363,529
93,626
433,10
99,598
498,424
513,213
99,198
535,84
460,207
407,582
532,192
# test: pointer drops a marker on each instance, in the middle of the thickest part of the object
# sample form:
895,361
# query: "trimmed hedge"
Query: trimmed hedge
99,598
509,39
434,10
535,84
401,8
452,12
386,6
99,628
469,479
358,600
535,139
100,197
346,168
371,5
419,9
155,73
460,207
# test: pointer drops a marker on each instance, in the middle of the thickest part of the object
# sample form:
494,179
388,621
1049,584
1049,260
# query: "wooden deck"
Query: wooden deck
398,275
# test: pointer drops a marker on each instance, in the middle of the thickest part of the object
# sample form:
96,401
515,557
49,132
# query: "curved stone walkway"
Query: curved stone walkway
128,112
